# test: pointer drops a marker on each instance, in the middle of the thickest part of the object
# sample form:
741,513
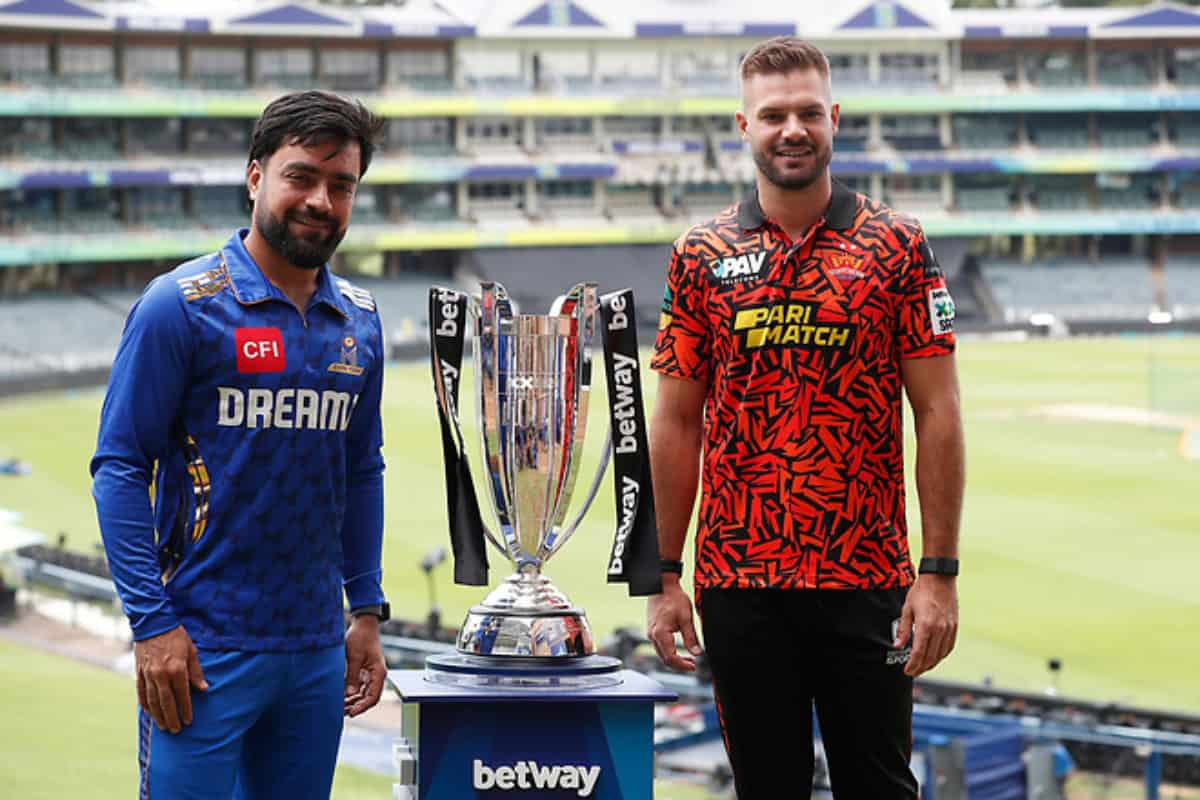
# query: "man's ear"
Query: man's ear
254,174
835,113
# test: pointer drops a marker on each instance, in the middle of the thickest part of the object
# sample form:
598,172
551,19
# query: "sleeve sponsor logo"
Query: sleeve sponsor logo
789,324
941,311
259,350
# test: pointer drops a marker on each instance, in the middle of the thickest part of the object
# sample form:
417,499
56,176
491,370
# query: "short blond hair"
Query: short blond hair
783,54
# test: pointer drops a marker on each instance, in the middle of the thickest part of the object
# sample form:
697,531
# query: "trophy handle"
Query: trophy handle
449,409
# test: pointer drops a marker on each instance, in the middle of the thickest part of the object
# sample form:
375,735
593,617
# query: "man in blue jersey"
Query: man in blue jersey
238,481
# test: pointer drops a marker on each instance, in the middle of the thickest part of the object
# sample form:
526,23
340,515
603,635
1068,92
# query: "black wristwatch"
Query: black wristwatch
670,565
938,566
383,612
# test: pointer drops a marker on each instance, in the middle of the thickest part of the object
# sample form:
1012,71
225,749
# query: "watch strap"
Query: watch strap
938,565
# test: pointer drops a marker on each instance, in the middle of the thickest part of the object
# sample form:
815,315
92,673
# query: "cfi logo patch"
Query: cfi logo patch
941,311
259,350
738,269
347,363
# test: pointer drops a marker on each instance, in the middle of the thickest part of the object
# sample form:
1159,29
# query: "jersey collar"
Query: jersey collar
839,215
251,286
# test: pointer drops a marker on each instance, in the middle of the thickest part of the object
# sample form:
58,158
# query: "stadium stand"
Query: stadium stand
1183,286
513,123
1072,289
53,332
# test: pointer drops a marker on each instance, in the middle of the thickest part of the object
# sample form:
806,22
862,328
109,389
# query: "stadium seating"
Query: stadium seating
984,132
57,332
1182,275
1072,289
981,199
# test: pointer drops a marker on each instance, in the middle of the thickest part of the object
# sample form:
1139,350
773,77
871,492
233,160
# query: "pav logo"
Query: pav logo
259,350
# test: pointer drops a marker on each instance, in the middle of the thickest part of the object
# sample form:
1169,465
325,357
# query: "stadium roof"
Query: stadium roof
597,19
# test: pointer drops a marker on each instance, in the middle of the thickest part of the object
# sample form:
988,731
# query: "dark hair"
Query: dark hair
312,118
783,54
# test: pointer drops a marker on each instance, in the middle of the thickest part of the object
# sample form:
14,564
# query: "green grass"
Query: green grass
1079,539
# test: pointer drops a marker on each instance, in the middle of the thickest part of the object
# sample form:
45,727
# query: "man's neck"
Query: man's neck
795,210
298,284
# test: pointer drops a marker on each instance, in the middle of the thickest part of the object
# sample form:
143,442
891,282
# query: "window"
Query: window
155,135
421,135
290,67
627,65
350,69
87,65
909,69
981,64
27,137
564,127
419,69
566,190
152,65
22,61
218,67
645,127
218,136
848,68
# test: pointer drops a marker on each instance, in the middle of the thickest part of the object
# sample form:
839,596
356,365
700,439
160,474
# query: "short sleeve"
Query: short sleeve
683,346
925,318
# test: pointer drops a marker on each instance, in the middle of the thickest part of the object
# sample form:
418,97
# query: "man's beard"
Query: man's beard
298,252
794,181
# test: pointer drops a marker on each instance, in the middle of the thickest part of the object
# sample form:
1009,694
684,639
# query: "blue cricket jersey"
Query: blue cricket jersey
238,476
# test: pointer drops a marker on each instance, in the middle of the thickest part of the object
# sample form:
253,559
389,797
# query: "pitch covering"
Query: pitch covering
260,428
800,345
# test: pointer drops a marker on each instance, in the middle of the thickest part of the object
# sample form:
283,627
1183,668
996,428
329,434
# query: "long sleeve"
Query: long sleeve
362,525
147,384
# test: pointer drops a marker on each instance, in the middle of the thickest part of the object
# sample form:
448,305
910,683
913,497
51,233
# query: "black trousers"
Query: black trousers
774,654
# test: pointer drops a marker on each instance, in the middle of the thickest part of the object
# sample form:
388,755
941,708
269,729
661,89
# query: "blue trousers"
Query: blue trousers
268,727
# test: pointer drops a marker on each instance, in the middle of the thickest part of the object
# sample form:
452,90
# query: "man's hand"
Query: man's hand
930,620
167,668
666,614
365,666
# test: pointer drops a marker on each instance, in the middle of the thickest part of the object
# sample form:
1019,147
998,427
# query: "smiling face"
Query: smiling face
302,198
790,120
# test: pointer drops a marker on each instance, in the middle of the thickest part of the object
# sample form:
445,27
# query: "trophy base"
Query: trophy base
526,617
534,636
536,674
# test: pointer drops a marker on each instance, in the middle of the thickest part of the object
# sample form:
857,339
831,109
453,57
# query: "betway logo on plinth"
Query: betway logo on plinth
525,775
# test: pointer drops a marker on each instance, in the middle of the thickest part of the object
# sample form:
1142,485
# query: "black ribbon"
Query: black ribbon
634,556
447,326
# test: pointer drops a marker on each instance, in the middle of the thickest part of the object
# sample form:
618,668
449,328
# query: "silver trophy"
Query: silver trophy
533,379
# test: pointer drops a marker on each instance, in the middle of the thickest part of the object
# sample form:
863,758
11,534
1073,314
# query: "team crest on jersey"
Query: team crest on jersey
739,269
347,363
845,267
941,311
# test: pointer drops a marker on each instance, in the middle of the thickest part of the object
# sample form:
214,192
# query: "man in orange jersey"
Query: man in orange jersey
790,325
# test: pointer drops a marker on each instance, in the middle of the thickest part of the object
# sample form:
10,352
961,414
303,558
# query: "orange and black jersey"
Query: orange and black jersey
799,344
